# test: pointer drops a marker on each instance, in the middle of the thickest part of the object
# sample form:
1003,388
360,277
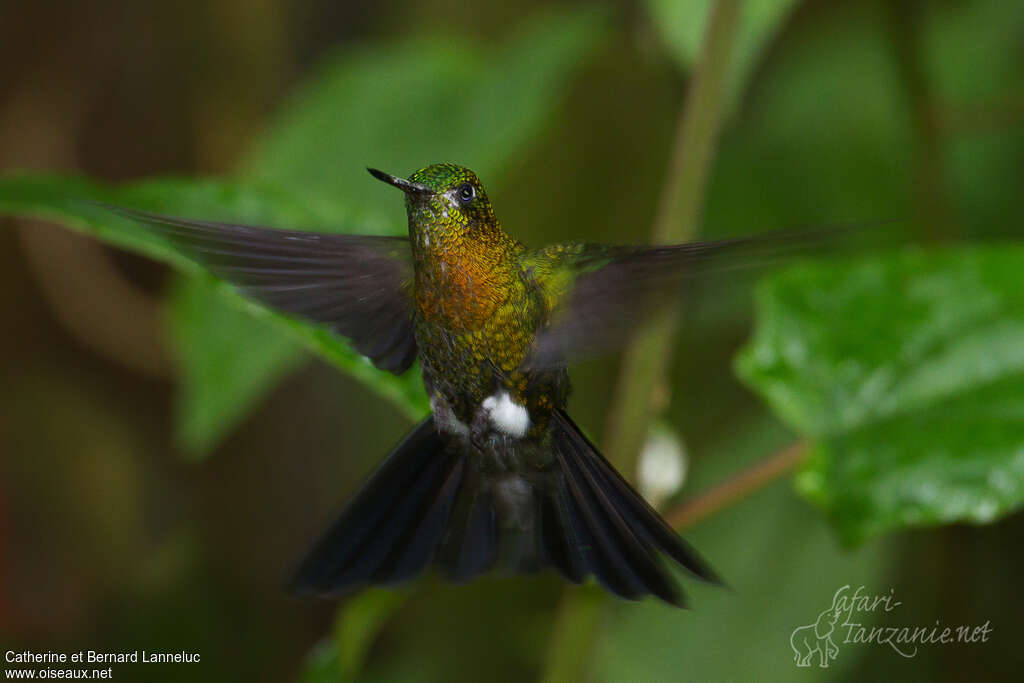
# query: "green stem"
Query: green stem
929,156
642,391
580,617
581,613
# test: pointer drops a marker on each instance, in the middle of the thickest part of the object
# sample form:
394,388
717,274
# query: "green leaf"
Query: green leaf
220,369
682,26
66,199
359,621
243,341
908,371
404,106
410,104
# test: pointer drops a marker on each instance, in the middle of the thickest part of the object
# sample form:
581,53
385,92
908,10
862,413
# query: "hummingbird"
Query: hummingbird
498,476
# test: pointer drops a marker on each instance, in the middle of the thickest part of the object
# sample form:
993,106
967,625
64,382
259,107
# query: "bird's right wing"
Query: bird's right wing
597,295
357,285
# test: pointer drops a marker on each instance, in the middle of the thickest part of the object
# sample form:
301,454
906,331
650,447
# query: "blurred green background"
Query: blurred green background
167,457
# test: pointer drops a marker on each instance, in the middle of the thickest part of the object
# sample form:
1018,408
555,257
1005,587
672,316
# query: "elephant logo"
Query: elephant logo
816,638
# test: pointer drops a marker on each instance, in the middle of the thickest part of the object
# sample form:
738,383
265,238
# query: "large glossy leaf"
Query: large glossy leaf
908,372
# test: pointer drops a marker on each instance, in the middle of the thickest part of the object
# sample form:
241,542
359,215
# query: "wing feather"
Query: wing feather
597,295
357,285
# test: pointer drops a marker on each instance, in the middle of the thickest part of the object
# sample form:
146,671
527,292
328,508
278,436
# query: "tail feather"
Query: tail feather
600,552
471,545
563,538
434,501
617,558
416,548
372,558
356,548
638,515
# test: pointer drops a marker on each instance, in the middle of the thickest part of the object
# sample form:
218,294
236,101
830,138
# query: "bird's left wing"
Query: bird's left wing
597,295
357,285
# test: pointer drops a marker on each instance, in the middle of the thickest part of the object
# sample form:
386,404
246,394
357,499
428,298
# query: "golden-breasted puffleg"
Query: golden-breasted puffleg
498,475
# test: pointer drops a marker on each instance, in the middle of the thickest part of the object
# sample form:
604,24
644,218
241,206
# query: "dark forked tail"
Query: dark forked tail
431,502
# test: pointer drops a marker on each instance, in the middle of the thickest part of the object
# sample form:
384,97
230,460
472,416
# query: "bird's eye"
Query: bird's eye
466,192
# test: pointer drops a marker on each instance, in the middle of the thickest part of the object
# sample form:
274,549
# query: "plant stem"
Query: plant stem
641,391
646,361
580,617
737,486
905,20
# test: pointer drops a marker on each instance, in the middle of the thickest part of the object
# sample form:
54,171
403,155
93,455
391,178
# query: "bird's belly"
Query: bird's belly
465,366
475,377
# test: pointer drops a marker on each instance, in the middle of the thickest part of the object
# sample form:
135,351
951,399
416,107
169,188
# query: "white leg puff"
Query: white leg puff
507,416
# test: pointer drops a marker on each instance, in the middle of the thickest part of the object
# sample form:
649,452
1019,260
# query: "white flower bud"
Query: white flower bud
661,470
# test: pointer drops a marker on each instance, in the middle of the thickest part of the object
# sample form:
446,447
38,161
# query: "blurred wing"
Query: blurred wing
598,295
357,285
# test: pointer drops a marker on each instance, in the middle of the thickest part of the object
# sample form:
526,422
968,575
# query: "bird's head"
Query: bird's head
446,204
